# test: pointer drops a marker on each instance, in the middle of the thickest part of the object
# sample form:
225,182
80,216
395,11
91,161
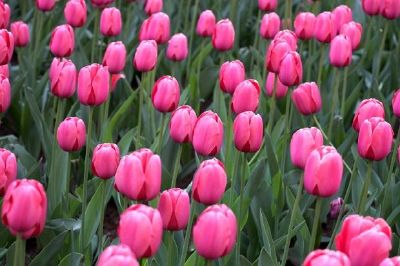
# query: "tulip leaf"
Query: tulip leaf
49,252
72,258
267,239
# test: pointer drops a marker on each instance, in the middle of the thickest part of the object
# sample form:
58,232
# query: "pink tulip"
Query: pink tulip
105,160
71,134
93,84
153,6
75,13
231,74
343,15
214,234
5,93
145,58
303,142
20,31
390,9
307,98
6,46
5,71
45,5
246,96
396,103
368,108
166,94
4,15
395,261
62,77
140,228
24,208
206,24
223,37
101,3
325,27
304,25
275,53
208,134
8,169
156,27
371,7
114,80
110,22
115,57
138,175
289,37
248,132
62,41
182,124
334,208
340,52
174,207
177,49
326,257
291,69
353,31
267,5
280,90
120,255
270,25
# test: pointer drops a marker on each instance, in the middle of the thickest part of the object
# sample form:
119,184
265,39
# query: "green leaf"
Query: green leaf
267,239
49,252
72,258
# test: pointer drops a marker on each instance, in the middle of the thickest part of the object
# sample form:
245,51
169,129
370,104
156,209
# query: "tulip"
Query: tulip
371,7
368,108
140,228
396,103
206,24
156,27
114,80
115,57
307,98
5,71
101,3
4,15
390,9
395,261
326,257
343,15
214,234
153,6
267,5
375,139
208,134
20,31
325,27
8,169
248,132
166,94
223,37
323,172
120,255
340,51
75,13
275,53
334,208
45,5
291,69
62,77
93,84
71,134
246,96
231,74
110,22
304,25
5,93
6,46
367,241
174,207
177,49
270,25
289,37
62,41
138,175
105,160
303,142
353,31
145,58
24,208
182,124
280,90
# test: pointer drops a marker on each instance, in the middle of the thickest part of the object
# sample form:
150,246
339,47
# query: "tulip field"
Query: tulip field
191,133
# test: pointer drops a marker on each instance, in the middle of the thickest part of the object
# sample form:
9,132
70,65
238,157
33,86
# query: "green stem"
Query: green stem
393,158
335,99
257,37
19,253
191,35
342,107
170,246
164,121
39,16
376,73
272,104
288,13
187,234
102,209
176,166
364,194
242,180
317,214
187,13
321,65
95,34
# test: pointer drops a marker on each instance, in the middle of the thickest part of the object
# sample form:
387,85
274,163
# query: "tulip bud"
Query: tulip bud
246,96
275,53
323,172
325,27
21,218
223,37
5,71
371,7
307,98
45,5
340,51
93,84
156,27
304,25
75,13
206,24
138,175
326,257
71,134
375,139
367,241
8,169
62,77
101,3
368,108
335,207
5,93
390,9
153,6
4,15
105,160
396,103
270,25
395,261
248,132
353,31
303,142
291,69
114,80
182,124
20,31
277,90
208,134
209,244
120,255
62,41
166,94
231,74
289,37
6,46
174,207
145,58
177,49
343,15
115,57
267,5
110,22
140,228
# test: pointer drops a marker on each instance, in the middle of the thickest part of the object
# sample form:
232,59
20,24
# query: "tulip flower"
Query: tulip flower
223,37
156,27
303,142
62,41
115,57
307,98
390,9
4,15
368,108
304,25
326,257
334,208
71,134
289,37
153,6
166,94
105,160
177,49
5,93
267,5
62,77
248,132
371,7
343,15
396,103
182,124
6,46
174,207
8,169
291,69
5,71
246,96
45,5
208,134
75,13
325,27
231,74
275,53
280,90
110,22
353,31
395,261
206,24
101,3
340,51
20,31
270,25
93,84
120,255
145,58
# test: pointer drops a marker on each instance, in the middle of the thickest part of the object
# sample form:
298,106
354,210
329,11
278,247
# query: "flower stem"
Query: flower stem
19,252
376,73
176,166
335,99
95,34
170,246
242,180
102,209
342,109
364,194
164,121
317,214
321,64
187,234
272,104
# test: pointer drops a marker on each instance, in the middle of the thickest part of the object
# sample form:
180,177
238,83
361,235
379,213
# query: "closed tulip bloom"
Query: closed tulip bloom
368,108
206,24
110,22
6,46
153,6
62,41
62,77
115,57
146,54
371,7
304,25
71,134
267,5
291,69
4,15
174,207
156,27
395,261
177,49
307,98
114,80
101,3
325,27
5,93
75,13
223,37
166,94
231,74
214,234
140,228
323,172
390,9
248,132
343,15
375,139
182,124
340,51
45,5
396,103
20,31
8,169
4,70
326,257
270,25
138,175
289,37
120,255
105,160
93,84
208,134
281,89
246,96
353,31
303,142
365,240
275,53
24,208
